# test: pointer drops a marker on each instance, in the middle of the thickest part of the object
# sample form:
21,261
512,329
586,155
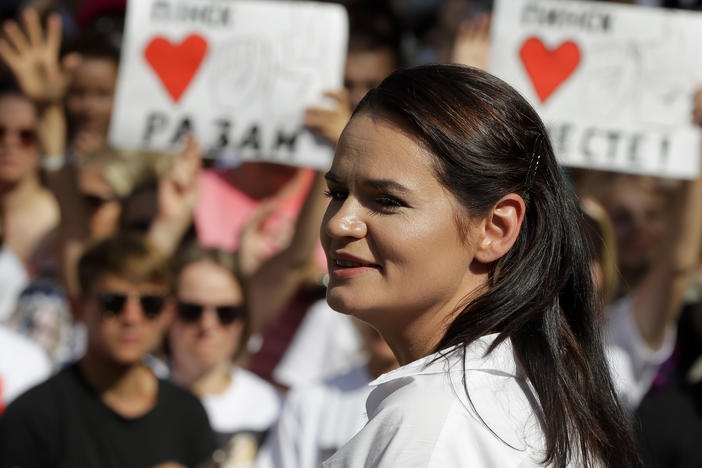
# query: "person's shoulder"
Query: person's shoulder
254,383
172,395
42,399
14,344
253,388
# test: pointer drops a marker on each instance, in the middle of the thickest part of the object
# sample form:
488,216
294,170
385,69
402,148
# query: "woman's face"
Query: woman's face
394,249
638,217
206,342
19,147
90,98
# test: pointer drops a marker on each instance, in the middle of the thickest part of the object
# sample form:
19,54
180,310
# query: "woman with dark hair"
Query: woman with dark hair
451,231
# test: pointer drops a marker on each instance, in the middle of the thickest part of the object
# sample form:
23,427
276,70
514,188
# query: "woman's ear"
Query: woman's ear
501,228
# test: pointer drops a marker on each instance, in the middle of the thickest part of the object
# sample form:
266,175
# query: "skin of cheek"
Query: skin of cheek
401,291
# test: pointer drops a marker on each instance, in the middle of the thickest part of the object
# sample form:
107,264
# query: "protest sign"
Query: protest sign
236,74
613,83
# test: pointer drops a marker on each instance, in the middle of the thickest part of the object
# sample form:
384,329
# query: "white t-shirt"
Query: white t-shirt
23,364
327,344
632,363
242,416
419,415
317,420
13,279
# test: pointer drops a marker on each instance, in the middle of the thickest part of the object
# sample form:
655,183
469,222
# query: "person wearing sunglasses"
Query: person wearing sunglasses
109,409
30,210
208,334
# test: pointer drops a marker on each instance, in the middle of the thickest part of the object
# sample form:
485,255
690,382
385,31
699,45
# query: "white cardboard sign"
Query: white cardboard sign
236,74
613,83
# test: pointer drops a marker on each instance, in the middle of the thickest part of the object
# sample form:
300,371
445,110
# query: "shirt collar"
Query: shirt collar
501,360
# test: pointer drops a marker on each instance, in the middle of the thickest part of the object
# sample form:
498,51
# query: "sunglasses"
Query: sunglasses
93,202
112,304
27,136
190,312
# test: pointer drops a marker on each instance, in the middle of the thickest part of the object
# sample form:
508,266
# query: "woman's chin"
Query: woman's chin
344,303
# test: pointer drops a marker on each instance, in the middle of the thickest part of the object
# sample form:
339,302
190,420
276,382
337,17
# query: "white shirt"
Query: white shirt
317,420
327,344
248,404
633,364
23,364
419,415
242,415
13,279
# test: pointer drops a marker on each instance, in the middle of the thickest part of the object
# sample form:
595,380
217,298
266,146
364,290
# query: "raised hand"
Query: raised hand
177,190
256,241
33,57
472,45
328,123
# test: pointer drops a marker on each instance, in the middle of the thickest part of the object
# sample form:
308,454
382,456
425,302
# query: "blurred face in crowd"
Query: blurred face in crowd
638,217
365,69
209,321
394,248
91,95
124,320
19,149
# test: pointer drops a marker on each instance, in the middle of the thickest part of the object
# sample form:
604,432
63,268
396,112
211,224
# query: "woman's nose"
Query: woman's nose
345,221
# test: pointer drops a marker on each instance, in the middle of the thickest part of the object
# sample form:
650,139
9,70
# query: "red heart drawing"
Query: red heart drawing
548,69
176,65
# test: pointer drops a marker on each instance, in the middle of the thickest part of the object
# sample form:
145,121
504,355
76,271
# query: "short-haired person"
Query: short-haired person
109,409
451,231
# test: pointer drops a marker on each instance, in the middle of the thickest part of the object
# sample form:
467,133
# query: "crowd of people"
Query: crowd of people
170,309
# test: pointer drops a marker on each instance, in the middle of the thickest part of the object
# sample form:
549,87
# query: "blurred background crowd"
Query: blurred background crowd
236,312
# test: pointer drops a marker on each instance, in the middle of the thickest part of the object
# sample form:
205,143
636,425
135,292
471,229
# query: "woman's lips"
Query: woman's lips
345,267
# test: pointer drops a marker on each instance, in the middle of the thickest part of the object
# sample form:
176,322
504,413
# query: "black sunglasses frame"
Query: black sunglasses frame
27,136
112,304
191,312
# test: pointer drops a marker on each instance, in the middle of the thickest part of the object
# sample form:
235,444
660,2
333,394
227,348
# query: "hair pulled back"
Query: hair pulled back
488,142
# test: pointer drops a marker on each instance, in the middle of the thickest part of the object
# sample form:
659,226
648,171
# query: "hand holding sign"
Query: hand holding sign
328,123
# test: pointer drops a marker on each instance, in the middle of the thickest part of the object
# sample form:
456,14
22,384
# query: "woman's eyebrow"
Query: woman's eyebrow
382,184
378,184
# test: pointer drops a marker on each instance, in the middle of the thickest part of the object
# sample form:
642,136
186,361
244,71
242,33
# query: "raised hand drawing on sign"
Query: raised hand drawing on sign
664,76
242,71
610,84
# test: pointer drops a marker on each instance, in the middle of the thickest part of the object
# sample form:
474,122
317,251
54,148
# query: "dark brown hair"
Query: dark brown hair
487,142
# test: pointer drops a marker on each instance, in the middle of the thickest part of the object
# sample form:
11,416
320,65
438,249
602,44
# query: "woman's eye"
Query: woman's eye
387,204
335,194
